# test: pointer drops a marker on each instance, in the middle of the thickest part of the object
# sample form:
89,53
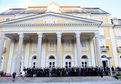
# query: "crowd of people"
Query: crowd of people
70,71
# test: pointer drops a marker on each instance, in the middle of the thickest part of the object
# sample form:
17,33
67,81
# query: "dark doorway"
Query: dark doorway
104,64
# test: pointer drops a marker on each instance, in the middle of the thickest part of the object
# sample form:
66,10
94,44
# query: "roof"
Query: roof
43,9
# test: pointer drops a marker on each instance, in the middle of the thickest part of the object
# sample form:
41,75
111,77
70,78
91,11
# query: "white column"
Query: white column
78,45
43,54
75,48
10,57
2,46
59,50
39,49
19,52
92,52
98,50
27,54
115,56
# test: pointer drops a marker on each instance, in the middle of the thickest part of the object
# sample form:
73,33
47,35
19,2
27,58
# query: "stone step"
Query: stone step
57,79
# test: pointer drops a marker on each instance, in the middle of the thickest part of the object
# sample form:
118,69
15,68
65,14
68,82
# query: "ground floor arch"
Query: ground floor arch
105,61
14,62
32,60
51,60
85,60
68,60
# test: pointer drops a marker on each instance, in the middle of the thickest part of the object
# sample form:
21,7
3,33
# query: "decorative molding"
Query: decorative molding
52,14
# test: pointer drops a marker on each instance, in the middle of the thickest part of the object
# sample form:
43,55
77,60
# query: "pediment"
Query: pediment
51,18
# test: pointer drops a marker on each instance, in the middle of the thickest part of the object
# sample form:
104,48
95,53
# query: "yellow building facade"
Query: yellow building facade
58,36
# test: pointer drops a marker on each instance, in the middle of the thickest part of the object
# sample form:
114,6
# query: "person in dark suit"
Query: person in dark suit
101,71
14,76
112,68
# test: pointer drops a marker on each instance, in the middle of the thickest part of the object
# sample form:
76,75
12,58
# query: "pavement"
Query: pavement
61,80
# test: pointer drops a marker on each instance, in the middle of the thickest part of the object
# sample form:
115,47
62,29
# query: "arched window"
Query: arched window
68,61
84,61
51,61
51,57
68,57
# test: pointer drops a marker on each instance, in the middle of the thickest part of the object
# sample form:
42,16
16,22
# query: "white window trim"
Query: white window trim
119,42
33,46
50,47
65,46
104,44
101,31
117,33
84,48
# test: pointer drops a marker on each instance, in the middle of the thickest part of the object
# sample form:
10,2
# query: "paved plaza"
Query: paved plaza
61,80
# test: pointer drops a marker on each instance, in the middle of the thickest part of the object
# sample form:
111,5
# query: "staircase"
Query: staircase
60,80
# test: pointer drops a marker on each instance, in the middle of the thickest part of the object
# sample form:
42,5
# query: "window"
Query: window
101,31
117,31
51,61
84,61
68,45
52,46
84,45
102,20
34,47
102,42
99,19
3,19
67,61
7,19
119,42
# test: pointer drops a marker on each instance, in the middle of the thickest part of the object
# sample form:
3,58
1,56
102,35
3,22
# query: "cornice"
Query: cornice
107,25
53,14
49,25
117,26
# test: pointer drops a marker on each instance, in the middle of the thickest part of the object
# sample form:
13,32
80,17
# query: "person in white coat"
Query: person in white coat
23,74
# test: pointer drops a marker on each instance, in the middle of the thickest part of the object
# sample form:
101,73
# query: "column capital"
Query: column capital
59,34
77,34
96,34
3,35
40,34
21,35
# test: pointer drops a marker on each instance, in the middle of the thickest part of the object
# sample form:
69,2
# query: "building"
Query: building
58,36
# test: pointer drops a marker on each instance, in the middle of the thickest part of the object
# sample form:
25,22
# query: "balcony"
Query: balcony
104,48
119,48
4,50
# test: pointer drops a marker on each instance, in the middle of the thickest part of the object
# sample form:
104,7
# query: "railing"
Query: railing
104,48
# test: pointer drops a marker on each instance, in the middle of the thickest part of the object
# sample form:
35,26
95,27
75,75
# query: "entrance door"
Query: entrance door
51,61
104,64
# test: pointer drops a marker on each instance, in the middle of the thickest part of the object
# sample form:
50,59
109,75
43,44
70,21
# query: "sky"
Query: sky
111,6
